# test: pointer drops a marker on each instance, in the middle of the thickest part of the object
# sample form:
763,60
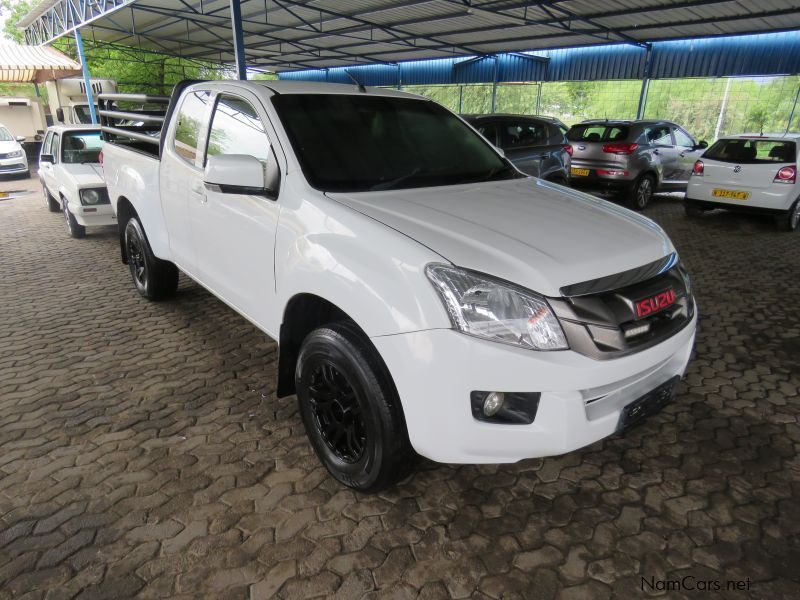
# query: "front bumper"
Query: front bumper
93,216
581,398
9,166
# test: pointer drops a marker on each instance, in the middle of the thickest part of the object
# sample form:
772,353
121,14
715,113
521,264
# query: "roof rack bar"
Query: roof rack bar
134,135
133,116
134,98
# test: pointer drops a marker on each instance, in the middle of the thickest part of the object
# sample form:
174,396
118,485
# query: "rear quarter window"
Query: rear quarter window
752,151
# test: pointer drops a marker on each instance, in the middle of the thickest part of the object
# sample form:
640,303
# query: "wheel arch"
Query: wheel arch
125,211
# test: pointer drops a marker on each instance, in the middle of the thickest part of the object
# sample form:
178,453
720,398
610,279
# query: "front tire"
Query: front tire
75,229
50,202
791,220
641,193
154,279
351,410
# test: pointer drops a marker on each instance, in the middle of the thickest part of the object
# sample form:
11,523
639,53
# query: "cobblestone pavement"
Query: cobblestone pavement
143,453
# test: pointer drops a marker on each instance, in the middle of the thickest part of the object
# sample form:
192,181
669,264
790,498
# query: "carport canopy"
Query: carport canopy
30,64
283,35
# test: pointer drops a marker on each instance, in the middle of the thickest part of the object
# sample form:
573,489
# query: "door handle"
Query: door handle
683,154
655,151
199,190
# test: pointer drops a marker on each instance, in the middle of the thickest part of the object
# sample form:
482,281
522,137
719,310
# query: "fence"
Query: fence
706,107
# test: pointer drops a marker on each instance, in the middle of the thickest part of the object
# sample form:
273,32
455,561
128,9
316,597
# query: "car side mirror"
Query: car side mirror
46,158
60,114
20,138
701,144
242,174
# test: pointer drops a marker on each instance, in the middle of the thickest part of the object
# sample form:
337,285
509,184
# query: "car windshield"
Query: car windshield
5,135
356,143
593,132
752,151
81,147
83,113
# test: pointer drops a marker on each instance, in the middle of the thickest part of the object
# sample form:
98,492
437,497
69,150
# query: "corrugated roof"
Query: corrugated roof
26,64
292,34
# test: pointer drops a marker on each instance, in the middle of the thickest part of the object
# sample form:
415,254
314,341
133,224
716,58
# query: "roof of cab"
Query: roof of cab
60,128
312,87
761,136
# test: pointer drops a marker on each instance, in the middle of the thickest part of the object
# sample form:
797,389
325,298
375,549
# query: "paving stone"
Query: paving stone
144,453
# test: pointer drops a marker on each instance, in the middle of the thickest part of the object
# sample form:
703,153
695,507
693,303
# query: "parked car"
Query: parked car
425,294
636,158
12,155
536,145
754,174
71,178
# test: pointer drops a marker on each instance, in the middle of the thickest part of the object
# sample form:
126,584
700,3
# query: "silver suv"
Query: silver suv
636,158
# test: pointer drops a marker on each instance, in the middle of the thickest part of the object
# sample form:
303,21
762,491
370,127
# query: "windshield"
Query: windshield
591,132
81,147
357,143
5,135
751,151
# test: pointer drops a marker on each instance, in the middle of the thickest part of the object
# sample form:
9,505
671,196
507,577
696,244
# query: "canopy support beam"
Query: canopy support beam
238,39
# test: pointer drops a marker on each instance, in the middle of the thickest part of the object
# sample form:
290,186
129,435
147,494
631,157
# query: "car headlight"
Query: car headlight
90,197
16,154
495,310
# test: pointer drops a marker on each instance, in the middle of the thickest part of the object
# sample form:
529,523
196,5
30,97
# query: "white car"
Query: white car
424,293
71,177
12,155
751,173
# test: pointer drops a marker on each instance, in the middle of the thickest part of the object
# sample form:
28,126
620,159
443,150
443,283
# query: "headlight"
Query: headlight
16,154
90,197
488,308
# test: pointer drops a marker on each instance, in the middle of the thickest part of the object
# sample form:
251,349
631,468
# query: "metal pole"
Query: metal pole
539,99
87,81
460,98
794,108
238,39
494,85
645,83
723,107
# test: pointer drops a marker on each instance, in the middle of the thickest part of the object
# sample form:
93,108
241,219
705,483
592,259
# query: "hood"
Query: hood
9,146
526,231
85,175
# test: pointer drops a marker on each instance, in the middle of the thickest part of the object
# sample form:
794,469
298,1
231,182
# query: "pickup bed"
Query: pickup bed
427,297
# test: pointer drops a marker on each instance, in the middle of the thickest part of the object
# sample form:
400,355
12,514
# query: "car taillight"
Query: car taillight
786,175
623,148
699,168
568,148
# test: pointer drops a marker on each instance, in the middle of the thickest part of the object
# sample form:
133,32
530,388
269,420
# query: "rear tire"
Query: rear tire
351,410
154,279
791,220
641,193
75,229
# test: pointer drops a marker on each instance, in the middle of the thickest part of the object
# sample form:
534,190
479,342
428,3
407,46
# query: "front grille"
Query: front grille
596,324
12,167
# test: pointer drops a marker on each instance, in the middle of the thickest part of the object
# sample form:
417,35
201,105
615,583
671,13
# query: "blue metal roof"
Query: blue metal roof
755,55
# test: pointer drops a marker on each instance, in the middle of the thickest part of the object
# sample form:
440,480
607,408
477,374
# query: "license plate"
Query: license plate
648,405
730,194
579,172
3,194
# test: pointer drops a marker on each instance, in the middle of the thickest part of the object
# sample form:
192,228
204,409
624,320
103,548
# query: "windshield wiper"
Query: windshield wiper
385,185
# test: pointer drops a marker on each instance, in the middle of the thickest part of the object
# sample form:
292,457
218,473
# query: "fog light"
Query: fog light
493,403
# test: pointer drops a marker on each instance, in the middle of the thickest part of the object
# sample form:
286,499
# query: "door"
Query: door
43,167
234,234
49,169
688,153
524,143
665,154
181,174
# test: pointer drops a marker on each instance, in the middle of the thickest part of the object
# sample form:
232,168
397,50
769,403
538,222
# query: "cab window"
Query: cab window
489,132
54,147
237,129
190,121
46,143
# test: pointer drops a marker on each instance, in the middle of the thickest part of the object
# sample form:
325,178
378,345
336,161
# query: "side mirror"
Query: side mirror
20,138
242,174
701,144
60,115
46,158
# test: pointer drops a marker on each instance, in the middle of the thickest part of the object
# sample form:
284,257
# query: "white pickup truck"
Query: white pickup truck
426,295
